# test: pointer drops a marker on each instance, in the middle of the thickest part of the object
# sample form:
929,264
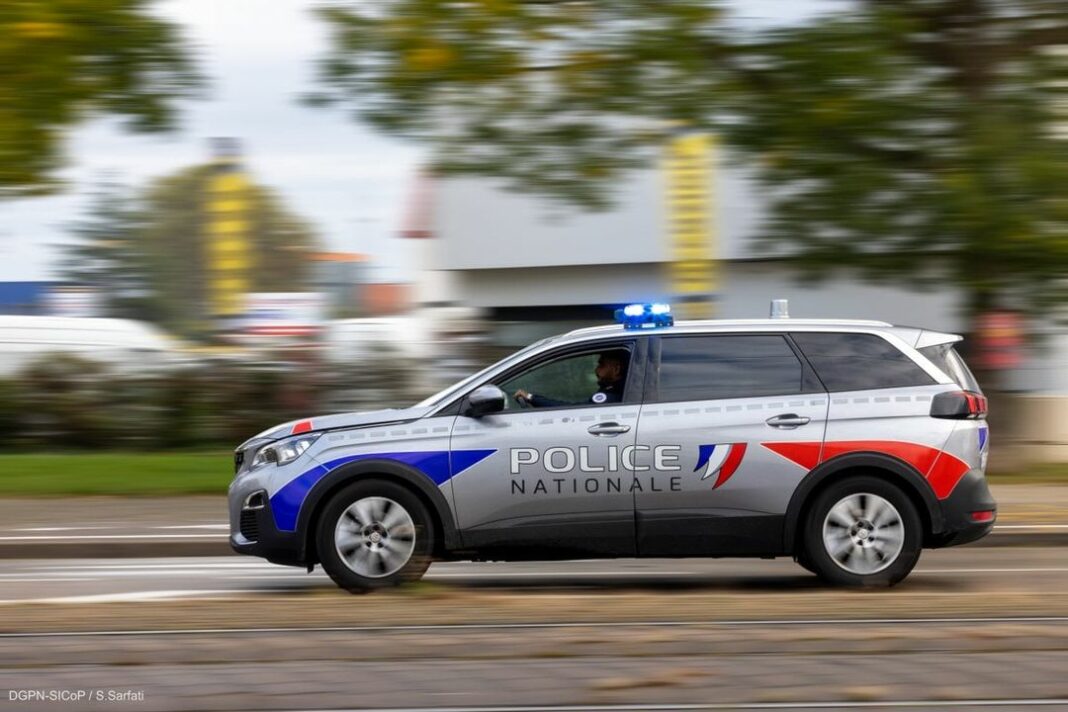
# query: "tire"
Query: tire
803,561
862,532
374,534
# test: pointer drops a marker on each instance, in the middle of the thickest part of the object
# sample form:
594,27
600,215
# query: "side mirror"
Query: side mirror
484,400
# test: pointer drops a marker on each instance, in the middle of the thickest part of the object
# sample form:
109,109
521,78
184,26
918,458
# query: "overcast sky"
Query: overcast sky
348,180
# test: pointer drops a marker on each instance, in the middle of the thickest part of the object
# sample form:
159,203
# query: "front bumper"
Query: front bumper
253,532
970,495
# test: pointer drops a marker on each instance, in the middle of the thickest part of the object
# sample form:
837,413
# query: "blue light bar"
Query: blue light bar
645,316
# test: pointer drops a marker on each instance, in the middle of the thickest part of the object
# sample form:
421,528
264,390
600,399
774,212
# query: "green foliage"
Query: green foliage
145,252
105,254
115,473
913,131
522,90
64,61
885,134
63,402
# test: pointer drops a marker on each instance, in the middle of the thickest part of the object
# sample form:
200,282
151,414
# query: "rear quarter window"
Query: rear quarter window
949,362
859,362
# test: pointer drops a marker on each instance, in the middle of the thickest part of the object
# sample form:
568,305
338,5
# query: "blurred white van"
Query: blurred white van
350,340
122,343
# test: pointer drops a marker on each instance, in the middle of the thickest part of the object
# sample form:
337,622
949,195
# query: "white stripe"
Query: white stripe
992,571
836,704
197,563
716,460
50,579
714,463
113,536
195,526
1002,527
448,627
127,596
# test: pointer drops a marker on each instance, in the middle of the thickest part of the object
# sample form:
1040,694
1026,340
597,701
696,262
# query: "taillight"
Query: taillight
959,405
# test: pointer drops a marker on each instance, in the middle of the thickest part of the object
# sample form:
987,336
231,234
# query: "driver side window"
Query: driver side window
570,380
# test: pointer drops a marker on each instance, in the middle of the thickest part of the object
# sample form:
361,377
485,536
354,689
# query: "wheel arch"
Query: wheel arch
446,536
891,469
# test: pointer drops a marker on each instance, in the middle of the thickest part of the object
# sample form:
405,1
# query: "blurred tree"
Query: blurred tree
145,253
105,254
909,139
66,60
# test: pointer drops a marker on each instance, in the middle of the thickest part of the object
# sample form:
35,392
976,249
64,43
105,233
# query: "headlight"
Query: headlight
284,451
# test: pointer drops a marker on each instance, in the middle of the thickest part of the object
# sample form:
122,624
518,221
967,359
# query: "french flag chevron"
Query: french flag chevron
721,458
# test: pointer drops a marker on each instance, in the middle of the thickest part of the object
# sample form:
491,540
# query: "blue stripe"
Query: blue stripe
982,437
704,452
435,464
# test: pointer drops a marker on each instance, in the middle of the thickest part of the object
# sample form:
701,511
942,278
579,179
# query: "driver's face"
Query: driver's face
608,369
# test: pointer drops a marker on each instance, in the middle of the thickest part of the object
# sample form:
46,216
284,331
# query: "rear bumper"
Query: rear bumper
970,495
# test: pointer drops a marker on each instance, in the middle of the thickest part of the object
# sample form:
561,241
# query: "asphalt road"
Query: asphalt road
972,571
972,628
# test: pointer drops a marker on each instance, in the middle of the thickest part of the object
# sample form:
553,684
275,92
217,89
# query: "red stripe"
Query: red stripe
919,456
946,473
942,470
734,458
805,454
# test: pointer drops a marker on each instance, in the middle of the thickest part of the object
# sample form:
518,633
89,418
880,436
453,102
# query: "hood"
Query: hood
337,421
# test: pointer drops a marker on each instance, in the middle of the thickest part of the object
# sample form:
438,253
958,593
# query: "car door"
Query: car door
558,476
716,407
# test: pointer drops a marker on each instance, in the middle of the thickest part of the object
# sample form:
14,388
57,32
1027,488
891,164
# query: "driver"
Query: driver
611,372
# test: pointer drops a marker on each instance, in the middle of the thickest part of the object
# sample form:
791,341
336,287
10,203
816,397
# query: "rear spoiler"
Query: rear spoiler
935,338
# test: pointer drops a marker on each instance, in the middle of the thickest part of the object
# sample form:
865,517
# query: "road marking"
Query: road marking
1002,527
113,536
131,596
50,579
224,527
266,571
1049,570
447,627
831,704
710,573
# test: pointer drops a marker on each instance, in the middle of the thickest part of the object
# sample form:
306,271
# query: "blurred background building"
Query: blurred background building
523,267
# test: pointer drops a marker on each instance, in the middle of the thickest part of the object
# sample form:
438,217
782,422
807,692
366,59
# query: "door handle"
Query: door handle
788,421
608,429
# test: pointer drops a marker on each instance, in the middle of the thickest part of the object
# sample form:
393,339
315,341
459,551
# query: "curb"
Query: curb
115,550
221,547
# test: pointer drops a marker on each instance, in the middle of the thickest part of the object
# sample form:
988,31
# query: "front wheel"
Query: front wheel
863,531
374,534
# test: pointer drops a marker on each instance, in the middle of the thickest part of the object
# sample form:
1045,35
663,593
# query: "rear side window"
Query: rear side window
950,363
714,367
859,362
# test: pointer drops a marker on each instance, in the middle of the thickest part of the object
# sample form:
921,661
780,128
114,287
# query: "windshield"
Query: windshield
455,389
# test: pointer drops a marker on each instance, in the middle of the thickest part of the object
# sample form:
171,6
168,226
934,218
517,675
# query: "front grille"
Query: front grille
250,526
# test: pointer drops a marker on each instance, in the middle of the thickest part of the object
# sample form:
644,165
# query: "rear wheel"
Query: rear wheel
374,534
862,531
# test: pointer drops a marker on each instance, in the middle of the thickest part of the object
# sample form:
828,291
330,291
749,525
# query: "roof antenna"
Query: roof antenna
780,309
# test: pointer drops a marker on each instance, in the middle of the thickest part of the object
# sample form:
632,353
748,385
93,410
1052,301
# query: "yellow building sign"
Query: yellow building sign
688,168
227,240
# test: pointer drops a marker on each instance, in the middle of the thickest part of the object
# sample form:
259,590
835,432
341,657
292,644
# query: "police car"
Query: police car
847,445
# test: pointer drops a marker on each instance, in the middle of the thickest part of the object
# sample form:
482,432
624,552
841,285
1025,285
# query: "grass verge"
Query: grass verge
115,473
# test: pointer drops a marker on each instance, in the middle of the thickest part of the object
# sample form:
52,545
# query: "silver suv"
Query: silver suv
847,445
